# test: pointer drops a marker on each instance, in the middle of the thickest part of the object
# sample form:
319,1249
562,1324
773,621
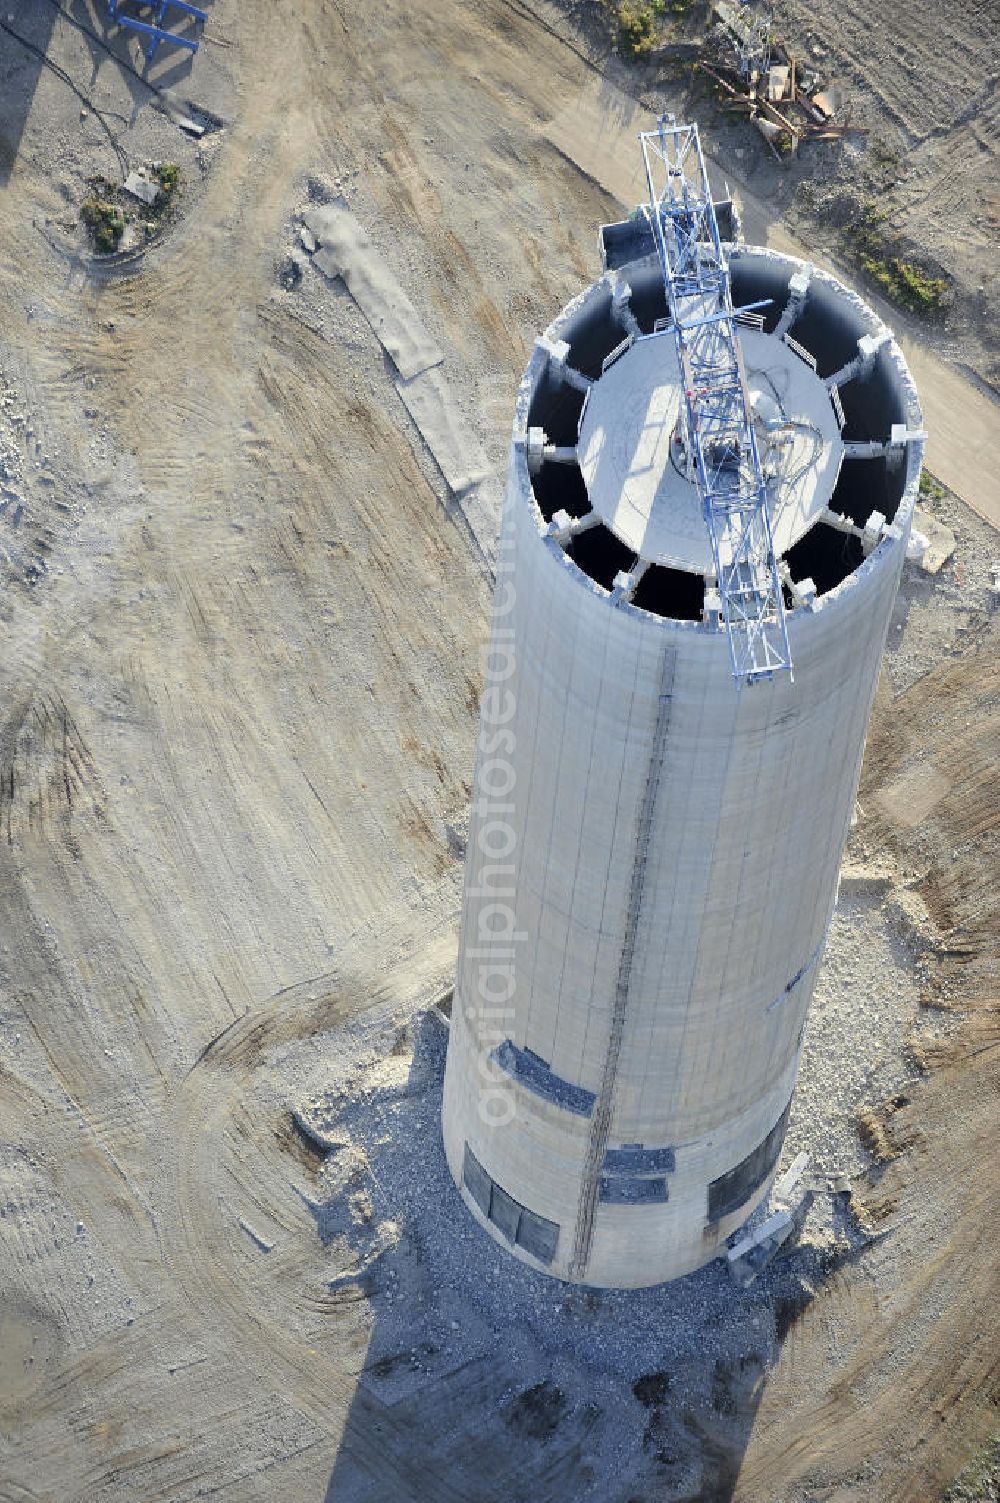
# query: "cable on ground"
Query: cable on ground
85,99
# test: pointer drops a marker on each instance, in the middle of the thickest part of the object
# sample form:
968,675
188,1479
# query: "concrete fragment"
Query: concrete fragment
140,187
348,252
767,128
829,100
255,1236
916,547
308,239
785,1187
314,1134
751,1255
346,1278
456,450
940,541
774,1224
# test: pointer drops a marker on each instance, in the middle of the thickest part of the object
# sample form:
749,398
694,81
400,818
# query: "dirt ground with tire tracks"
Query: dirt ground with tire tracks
242,621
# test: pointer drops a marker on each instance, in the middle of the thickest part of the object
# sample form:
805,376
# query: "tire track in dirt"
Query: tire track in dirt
923,76
926,1374
226,1143
258,430
948,1371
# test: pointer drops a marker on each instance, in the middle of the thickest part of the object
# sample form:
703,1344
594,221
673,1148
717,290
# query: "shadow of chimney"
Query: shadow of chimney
484,1380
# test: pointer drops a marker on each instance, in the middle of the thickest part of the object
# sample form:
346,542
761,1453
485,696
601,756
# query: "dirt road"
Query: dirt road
238,705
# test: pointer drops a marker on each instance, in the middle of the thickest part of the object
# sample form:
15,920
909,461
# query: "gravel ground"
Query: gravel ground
239,693
942,615
442,1294
919,89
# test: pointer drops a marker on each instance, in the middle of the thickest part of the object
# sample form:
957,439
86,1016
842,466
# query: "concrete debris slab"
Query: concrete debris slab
777,1223
308,239
785,1187
255,1236
328,262
916,547
481,507
348,252
940,541
140,187
457,452
458,455
581,134
751,1255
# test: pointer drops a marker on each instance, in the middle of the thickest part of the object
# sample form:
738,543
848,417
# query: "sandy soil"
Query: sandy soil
919,85
242,623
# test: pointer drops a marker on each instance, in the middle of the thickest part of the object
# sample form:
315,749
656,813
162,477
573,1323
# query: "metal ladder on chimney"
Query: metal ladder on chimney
600,1125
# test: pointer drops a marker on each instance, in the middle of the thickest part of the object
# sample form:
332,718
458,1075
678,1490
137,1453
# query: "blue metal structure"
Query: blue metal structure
721,445
154,29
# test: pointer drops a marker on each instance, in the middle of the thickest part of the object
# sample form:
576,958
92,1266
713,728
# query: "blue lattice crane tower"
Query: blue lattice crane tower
718,439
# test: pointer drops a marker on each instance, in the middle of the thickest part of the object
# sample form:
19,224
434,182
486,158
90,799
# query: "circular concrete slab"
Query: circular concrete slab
633,465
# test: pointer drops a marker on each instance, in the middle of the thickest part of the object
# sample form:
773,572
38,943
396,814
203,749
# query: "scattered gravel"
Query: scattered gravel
945,613
442,1294
855,1049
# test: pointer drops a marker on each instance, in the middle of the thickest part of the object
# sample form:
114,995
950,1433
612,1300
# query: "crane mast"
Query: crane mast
718,433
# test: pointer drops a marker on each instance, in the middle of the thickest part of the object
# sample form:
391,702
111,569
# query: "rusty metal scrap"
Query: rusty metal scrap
786,102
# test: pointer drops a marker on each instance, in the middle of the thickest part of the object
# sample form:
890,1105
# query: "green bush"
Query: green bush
168,175
930,489
905,283
901,280
105,221
636,28
915,288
